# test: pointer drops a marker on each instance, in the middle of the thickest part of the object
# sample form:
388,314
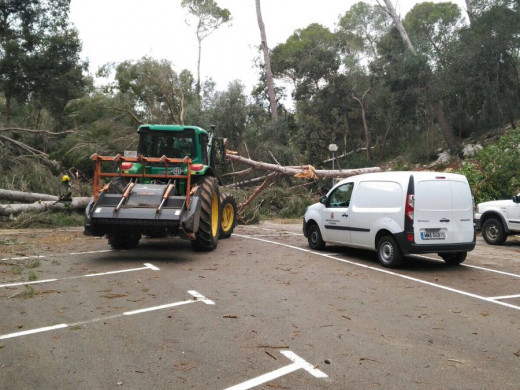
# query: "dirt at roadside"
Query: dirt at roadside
34,242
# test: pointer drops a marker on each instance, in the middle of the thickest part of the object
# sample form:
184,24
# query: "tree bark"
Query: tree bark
267,63
447,130
198,65
8,110
305,171
368,138
397,22
246,183
26,197
13,209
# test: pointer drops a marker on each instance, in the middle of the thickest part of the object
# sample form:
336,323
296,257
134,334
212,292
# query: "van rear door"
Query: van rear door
443,212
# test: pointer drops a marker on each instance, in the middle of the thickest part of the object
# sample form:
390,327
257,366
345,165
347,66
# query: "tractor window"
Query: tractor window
173,145
203,139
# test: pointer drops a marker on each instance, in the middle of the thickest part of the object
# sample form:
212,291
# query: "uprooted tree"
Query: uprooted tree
302,171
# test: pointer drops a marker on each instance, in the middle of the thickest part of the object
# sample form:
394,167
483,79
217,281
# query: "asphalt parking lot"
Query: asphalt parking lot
261,311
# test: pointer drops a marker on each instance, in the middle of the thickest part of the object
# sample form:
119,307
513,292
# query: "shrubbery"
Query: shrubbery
496,172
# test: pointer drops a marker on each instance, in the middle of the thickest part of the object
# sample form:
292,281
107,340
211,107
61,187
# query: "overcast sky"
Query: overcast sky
119,30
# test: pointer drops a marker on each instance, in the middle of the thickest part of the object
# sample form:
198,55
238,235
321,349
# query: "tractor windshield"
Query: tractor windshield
169,144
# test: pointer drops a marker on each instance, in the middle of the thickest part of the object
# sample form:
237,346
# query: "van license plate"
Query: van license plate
433,235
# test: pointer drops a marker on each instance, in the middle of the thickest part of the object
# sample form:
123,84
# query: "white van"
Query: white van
396,213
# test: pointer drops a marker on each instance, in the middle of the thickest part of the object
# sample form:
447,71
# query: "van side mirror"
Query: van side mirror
323,200
516,198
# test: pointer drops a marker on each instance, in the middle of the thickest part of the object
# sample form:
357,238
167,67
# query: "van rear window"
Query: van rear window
379,194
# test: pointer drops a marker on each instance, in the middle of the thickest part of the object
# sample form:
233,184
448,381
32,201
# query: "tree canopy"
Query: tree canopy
358,85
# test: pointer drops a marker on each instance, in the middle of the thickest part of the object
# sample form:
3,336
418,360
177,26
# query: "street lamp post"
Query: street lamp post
333,148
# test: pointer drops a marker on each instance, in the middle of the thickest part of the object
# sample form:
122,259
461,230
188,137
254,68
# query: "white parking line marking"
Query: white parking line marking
54,255
147,266
274,230
33,331
154,308
505,297
27,283
152,267
298,363
200,297
385,271
196,298
475,266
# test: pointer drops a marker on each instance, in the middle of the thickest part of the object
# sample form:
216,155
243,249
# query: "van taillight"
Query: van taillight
126,165
409,206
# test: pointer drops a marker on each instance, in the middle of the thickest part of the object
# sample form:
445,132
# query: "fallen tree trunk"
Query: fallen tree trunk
304,171
13,209
245,182
25,197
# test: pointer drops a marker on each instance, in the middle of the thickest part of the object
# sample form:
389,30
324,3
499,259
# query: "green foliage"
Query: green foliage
208,14
29,292
40,60
308,56
42,220
153,90
496,174
280,201
362,27
26,174
284,203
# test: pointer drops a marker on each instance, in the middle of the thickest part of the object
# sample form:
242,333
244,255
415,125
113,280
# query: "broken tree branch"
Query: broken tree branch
27,148
336,158
245,183
257,191
243,172
305,171
35,131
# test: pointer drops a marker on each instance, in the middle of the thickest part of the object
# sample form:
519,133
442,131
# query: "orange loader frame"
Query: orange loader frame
119,159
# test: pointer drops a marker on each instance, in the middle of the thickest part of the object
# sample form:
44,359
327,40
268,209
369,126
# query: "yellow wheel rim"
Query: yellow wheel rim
214,215
227,217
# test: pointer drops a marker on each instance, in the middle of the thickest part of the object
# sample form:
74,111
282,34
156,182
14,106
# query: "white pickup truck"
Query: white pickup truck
498,219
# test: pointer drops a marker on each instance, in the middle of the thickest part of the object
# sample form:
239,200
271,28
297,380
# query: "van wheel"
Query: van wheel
493,232
314,237
454,258
388,252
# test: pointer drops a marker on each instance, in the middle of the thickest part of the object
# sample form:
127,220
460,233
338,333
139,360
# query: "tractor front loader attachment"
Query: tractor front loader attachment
156,202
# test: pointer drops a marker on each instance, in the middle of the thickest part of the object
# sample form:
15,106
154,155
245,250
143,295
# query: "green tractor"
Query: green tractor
170,187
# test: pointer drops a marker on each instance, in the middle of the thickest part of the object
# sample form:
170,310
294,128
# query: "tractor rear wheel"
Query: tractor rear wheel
206,238
228,220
